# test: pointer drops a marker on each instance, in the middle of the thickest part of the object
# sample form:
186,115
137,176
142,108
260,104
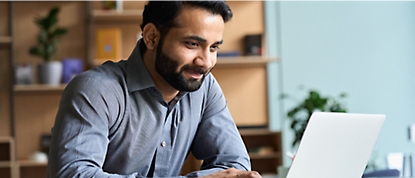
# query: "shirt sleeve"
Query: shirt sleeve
80,133
217,141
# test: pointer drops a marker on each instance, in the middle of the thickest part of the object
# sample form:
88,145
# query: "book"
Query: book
71,68
108,44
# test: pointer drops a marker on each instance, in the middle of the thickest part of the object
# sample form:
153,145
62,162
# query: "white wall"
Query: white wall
366,49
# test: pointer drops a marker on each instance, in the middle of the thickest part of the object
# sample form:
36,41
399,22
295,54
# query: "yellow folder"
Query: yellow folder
108,44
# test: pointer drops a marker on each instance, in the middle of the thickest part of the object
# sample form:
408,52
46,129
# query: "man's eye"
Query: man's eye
191,44
214,48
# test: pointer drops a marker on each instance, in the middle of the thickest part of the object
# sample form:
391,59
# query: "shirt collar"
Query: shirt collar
138,77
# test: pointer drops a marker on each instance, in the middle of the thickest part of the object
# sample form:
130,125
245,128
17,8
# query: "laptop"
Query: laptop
336,145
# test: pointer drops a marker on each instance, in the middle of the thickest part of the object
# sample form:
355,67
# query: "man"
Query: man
143,116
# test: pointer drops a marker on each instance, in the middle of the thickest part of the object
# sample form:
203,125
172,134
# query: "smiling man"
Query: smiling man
142,117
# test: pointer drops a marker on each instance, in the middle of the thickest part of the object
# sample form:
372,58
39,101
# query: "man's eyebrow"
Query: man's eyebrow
197,38
219,42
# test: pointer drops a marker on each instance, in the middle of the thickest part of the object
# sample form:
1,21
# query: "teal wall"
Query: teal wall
366,49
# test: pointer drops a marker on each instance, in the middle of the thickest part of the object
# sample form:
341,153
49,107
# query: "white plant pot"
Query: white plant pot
50,73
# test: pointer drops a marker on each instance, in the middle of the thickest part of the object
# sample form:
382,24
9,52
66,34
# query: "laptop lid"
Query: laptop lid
336,145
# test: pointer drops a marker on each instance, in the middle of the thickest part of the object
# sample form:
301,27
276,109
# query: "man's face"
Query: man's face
187,53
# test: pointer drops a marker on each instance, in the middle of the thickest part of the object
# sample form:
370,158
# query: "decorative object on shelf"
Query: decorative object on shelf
108,44
112,5
71,68
39,157
49,71
108,5
24,73
228,54
253,45
300,114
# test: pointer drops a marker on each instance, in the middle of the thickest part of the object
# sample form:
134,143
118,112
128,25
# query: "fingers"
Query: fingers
232,172
248,174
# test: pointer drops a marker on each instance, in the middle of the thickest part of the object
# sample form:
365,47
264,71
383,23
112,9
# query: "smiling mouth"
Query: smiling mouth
195,74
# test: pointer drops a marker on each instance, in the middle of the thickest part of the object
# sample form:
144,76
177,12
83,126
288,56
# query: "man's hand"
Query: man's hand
232,172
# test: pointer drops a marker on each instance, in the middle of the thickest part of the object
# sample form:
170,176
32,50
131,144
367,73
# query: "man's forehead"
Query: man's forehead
186,13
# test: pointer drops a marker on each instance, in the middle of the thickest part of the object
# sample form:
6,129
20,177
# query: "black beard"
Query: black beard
166,67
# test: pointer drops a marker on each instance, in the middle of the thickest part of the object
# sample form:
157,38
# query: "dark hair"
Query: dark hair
163,13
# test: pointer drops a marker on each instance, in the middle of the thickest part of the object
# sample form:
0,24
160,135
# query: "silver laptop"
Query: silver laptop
336,145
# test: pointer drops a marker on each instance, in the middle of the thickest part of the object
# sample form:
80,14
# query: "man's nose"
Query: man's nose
205,59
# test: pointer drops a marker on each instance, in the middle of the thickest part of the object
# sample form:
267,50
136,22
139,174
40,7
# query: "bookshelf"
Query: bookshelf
251,61
7,157
127,20
256,141
5,39
38,88
33,107
247,73
264,148
7,142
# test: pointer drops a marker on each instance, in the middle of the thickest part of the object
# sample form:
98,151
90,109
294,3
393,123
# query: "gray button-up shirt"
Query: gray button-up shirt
113,122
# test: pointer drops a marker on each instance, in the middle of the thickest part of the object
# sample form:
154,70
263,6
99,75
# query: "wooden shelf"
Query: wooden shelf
5,39
241,61
6,152
254,132
6,164
265,156
5,139
29,163
114,15
38,87
244,61
264,148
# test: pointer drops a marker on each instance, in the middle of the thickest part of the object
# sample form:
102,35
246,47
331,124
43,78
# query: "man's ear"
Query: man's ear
151,36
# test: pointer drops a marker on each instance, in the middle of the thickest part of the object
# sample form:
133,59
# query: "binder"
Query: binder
108,44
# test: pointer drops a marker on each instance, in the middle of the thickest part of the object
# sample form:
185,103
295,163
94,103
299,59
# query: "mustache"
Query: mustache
197,69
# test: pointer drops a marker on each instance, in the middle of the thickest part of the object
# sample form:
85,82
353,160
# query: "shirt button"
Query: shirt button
163,144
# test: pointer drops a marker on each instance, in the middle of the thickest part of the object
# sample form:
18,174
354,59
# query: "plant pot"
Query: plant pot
50,73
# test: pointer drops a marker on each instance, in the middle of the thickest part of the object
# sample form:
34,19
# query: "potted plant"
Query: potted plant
300,114
50,71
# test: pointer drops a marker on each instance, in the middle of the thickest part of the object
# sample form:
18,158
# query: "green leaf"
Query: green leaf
59,32
293,112
294,123
48,37
43,38
313,102
36,51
